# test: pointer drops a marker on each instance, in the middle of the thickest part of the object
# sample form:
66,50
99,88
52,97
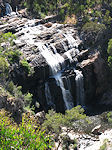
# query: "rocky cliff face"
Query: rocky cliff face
65,74
96,77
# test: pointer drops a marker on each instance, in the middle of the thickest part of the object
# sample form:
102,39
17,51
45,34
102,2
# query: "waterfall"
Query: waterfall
8,9
79,88
48,96
67,97
56,62
79,76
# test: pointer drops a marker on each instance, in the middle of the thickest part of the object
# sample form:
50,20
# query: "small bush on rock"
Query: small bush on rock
92,33
25,65
4,67
109,51
109,117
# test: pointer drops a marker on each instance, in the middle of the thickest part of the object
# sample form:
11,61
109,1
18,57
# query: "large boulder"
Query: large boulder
95,77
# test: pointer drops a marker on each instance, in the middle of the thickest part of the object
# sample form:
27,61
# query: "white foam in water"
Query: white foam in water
72,42
56,62
79,88
79,76
67,97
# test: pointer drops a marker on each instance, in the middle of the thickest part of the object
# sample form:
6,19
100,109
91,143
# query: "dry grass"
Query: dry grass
71,19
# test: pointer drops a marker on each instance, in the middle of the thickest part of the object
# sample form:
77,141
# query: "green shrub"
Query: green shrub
109,50
54,121
74,114
110,62
7,37
67,143
93,27
25,136
10,87
61,14
28,99
109,117
13,56
14,90
25,65
92,33
104,146
4,67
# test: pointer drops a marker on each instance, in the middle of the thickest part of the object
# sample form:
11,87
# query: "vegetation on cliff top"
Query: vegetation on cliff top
99,10
93,18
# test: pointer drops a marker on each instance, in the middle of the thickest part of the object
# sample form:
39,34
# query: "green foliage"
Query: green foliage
110,62
61,14
93,27
109,117
67,143
7,37
107,19
4,67
11,54
109,50
104,146
93,33
14,90
74,114
54,121
99,10
28,99
25,136
25,65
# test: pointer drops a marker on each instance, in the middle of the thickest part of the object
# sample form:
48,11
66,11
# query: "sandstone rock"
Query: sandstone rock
94,71
48,25
23,13
83,55
40,116
96,130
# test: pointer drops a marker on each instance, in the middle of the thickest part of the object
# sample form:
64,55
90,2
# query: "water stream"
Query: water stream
56,62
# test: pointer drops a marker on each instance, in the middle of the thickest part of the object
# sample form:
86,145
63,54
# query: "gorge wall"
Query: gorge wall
65,75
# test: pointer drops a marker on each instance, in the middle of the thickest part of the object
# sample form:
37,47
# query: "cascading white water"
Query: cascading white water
8,9
79,76
48,95
72,42
79,88
67,97
56,62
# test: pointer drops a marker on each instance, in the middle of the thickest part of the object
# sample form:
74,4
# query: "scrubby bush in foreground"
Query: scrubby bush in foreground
26,136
